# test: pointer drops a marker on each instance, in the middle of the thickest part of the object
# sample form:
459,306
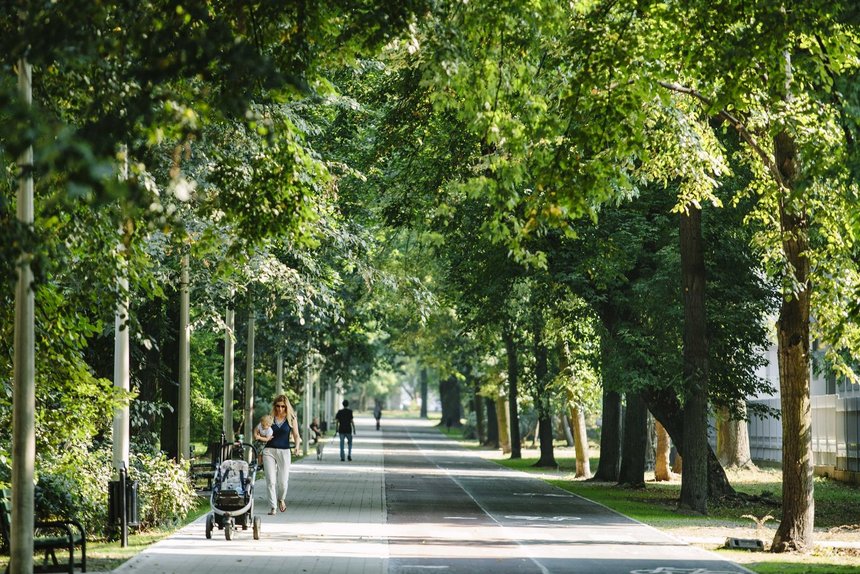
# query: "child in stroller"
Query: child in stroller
232,500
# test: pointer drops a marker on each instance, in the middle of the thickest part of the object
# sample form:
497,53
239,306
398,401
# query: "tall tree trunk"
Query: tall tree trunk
580,441
576,414
492,424
184,429
248,409
650,443
733,439
798,505
632,471
513,373
449,393
694,483
504,430
566,429
167,357
678,464
424,393
547,456
478,405
24,366
609,464
478,408
661,459
664,405
229,373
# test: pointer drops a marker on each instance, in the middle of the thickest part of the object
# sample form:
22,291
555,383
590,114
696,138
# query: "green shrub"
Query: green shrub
75,484
165,492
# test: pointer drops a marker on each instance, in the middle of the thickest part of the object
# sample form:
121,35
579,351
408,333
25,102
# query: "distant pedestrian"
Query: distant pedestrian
345,428
315,429
377,414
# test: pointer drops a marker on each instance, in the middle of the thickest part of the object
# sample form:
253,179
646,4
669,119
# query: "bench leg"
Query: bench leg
50,552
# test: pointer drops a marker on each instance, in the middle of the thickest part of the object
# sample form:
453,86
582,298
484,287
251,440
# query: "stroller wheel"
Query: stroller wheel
228,531
210,522
257,523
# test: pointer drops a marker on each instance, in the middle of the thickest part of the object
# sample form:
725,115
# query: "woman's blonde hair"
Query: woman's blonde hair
283,399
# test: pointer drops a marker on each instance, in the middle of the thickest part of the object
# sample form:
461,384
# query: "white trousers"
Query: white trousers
276,463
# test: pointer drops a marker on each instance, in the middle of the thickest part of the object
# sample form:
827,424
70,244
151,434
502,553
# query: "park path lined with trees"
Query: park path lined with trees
543,208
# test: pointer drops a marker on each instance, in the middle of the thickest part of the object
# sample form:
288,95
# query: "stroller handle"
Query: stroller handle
246,447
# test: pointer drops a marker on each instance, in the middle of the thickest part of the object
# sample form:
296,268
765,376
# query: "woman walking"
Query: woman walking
276,454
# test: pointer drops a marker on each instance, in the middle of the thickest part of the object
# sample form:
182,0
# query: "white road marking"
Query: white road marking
547,518
543,494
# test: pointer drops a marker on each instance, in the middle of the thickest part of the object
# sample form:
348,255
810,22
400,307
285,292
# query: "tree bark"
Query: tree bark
513,372
798,505
449,393
694,484
678,465
609,464
661,460
547,455
167,359
479,411
632,471
424,393
580,440
733,439
650,443
566,429
504,431
664,405
492,424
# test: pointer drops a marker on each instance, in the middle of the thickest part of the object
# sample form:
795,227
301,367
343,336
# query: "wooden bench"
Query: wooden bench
49,536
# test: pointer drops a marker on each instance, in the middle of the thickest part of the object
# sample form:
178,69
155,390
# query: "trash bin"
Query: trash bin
131,502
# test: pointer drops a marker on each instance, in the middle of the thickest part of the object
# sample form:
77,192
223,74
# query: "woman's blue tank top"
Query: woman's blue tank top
280,435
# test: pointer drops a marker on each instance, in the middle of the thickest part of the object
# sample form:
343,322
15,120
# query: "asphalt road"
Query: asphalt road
452,512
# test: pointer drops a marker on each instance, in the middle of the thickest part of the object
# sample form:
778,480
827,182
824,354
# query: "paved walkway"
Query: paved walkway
420,502
333,523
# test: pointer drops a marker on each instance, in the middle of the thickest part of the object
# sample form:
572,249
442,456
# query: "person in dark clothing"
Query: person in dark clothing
345,428
377,414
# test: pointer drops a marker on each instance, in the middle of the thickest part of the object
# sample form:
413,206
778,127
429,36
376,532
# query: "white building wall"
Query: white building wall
835,422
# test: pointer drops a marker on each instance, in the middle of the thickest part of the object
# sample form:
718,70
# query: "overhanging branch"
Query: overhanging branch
739,125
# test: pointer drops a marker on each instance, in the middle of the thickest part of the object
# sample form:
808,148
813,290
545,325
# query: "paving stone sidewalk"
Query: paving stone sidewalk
334,523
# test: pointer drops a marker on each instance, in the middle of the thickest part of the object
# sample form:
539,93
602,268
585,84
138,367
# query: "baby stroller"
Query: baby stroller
232,500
